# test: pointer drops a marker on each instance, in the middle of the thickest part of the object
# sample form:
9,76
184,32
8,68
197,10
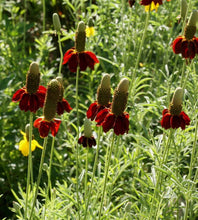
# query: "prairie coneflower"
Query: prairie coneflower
87,140
187,45
151,4
32,96
174,117
103,97
77,56
62,104
48,122
115,117
24,144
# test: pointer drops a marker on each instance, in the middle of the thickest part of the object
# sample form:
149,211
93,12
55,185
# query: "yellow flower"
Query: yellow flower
90,31
24,145
152,7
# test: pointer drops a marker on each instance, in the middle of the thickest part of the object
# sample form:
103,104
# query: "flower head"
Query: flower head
187,45
151,4
77,56
24,144
48,122
174,117
62,104
103,97
115,117
32,96
87,140
131,2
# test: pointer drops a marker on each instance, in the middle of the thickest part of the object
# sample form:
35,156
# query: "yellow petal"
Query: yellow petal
90,31
24,147
37,144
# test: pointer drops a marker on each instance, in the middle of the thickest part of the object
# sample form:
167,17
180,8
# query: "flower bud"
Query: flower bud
33,78
193,18
104,91
184,7
80,37
176,103
87,128
90,22
56,22
120,97
51,100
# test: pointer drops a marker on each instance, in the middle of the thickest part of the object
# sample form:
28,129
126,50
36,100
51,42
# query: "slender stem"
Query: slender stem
61,54
39,175
77,137
49,185
86,170
106,174
29,164
94,170
159,177
24,26
192,160
139,52
44,13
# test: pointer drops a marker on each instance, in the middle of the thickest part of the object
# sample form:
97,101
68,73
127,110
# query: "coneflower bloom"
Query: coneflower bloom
151,4
103,97
77,56
174,117
24,144
115,117
187,45
87,140
48,122
31,97
62,104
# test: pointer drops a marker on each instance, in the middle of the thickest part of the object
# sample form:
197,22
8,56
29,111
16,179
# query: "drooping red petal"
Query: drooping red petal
41,95
175,121
177,45
145,2
82,61
101,116
33,103
44,128
91,112
188,49
165,122
91,141
54,126
68,55
185,120
91,59
64,105
122,124
108,122
37,122
164,111
24,103
73,62
18,94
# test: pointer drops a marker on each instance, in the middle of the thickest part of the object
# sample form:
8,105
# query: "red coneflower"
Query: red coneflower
31,97
187,45
103,97
174,117
87,140
151,4
48,122
77,56
115,117
62,104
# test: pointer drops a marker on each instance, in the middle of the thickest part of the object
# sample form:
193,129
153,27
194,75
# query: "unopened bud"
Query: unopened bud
33,78
52,97
87,128
60,80
184,7
193,18
120,97
90,22
176,103
80,37
56,22
104,91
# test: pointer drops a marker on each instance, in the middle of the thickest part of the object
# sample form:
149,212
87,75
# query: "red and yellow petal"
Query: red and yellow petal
68,55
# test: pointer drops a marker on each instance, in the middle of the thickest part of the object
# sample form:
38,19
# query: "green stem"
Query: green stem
24,26
106,174
94,170
44,13
29,164
39,175
61,54
86,170
49,185
192,160
159,177
139,52
77,137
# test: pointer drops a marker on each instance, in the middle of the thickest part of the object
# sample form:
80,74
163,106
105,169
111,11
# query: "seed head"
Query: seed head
56,22
176,103
87,128
80,37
